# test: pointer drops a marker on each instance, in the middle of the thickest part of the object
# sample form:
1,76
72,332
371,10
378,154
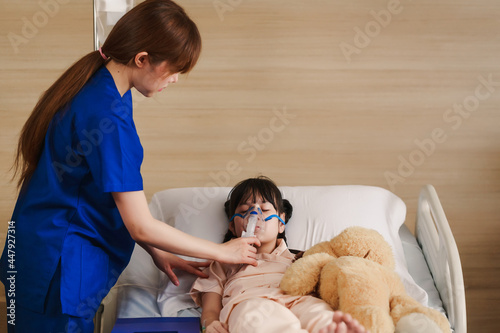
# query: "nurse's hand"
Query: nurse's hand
240,251
166,262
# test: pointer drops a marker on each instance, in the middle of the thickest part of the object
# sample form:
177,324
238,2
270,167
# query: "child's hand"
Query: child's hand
240,251
216,327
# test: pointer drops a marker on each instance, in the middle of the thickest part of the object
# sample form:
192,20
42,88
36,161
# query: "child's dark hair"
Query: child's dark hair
251,188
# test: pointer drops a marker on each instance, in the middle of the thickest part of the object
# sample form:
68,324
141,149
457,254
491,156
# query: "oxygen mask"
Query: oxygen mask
253,223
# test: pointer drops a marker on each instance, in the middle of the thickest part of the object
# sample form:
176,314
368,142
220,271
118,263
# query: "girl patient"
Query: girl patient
244,298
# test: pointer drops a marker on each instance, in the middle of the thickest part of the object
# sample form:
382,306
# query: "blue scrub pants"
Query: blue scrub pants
53,320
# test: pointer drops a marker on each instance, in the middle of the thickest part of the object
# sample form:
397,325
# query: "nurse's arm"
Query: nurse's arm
145,229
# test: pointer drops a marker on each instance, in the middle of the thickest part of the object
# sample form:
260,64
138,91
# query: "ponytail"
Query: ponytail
30,145
159,27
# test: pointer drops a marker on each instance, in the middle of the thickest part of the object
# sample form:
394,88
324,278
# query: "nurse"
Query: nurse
81,205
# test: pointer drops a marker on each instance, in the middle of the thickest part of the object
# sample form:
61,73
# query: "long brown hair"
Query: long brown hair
159,27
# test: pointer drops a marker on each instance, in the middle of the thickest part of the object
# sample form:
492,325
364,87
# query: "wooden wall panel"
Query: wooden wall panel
293,90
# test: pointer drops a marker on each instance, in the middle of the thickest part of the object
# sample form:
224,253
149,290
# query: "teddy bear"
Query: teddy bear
354,273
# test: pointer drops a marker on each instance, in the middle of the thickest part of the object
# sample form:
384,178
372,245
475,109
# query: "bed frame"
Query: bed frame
438,245
434,236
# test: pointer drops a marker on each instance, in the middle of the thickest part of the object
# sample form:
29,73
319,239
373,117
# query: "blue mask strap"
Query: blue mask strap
246,213
237,214
254,212
276,216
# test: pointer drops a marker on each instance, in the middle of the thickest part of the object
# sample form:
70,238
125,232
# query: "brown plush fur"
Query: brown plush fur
354,273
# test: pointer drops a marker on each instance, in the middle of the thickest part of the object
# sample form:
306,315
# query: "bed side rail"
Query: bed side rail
441,253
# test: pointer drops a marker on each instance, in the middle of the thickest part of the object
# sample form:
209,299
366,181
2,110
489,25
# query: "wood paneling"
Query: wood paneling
274,93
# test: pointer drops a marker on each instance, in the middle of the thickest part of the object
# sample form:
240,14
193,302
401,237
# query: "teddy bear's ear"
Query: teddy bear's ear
381,252
323,247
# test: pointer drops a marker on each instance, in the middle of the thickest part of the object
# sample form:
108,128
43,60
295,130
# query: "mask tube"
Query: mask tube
254,223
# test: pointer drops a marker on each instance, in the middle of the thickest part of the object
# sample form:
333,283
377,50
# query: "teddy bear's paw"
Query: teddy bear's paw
417,323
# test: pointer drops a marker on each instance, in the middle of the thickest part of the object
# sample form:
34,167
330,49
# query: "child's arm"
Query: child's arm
211,304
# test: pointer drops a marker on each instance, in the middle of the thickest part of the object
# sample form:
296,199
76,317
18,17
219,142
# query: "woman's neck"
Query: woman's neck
122,75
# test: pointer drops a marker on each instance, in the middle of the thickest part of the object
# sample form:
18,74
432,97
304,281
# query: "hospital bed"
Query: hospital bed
428,263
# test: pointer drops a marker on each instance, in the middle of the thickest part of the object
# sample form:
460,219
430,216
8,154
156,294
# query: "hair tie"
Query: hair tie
102,54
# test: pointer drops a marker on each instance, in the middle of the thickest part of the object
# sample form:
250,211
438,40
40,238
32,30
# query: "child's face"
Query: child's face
272,226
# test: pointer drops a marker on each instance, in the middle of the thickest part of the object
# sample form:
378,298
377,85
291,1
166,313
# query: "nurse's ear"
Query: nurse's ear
141,59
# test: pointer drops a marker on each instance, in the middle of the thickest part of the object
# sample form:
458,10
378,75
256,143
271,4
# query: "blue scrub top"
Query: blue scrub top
66,213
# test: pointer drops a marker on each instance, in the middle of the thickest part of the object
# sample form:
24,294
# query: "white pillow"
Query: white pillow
320,213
